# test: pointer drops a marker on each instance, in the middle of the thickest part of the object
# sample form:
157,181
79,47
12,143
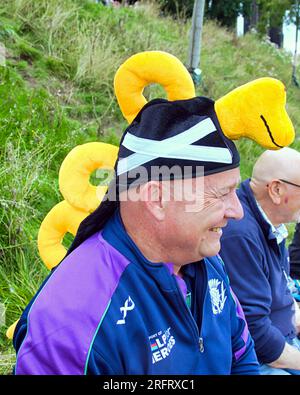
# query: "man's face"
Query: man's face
290,206
195,224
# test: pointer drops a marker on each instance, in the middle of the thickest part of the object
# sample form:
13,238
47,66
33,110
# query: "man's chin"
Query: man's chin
212,251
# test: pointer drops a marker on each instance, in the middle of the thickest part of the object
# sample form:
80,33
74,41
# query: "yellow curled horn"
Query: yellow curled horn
81,197
61,219
257,110
76,169
149,67
10,331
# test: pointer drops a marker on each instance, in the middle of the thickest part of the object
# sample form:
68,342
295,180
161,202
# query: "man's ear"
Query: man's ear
276,191
152,195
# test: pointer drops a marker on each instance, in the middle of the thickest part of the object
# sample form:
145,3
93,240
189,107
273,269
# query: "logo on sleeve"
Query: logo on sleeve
217,295
128,306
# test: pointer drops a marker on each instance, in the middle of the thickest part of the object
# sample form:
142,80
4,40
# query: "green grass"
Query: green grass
57,92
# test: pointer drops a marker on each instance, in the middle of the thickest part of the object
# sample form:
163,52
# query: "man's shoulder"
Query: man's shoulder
96,249
92,266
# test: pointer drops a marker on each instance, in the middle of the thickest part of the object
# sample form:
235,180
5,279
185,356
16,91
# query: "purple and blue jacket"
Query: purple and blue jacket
107,310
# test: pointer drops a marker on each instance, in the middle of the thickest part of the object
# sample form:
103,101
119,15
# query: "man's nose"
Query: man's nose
234,209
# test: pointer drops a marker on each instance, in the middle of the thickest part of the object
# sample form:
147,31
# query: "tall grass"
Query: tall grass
24,183
57,92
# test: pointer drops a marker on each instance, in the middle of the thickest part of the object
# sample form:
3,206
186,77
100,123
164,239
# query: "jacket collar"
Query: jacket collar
115,234
280,232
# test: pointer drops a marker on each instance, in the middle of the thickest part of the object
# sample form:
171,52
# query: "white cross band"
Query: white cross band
177,147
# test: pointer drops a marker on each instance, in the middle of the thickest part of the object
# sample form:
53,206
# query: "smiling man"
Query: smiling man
257,260
142,290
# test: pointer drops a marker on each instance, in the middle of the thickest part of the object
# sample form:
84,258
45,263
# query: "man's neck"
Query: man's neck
148,246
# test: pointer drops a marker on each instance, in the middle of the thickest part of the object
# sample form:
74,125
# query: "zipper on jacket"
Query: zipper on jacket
200,342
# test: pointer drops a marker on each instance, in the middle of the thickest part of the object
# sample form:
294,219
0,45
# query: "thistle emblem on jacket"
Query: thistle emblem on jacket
217,295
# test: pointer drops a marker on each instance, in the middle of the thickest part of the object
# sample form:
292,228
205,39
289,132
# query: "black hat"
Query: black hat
185,133
181,132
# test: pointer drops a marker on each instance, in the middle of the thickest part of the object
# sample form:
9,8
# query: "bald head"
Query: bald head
281,164
271,181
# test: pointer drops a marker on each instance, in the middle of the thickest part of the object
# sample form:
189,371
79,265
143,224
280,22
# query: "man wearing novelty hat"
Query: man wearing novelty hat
142,290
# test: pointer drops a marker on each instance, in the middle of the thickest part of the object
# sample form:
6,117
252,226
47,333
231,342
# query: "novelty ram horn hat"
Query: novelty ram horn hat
185,130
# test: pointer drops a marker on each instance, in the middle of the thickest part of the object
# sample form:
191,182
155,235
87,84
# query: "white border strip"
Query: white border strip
177,147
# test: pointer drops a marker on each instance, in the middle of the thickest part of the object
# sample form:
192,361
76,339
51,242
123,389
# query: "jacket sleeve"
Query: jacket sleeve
294,251
245,265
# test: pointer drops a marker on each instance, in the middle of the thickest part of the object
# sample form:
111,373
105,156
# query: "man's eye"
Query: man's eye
225,195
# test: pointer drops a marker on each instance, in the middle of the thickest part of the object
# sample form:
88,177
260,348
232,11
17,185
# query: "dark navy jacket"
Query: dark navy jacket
108,310
294,251
258,267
